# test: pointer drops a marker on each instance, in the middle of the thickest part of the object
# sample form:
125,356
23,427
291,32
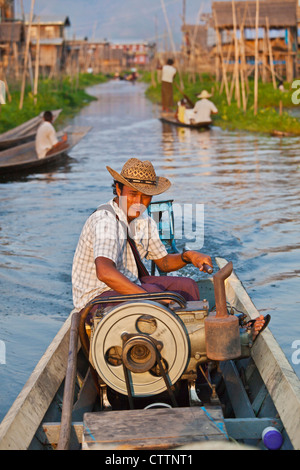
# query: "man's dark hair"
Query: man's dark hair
48,116
114,186
170,61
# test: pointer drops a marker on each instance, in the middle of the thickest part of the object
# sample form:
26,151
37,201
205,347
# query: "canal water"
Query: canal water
246,186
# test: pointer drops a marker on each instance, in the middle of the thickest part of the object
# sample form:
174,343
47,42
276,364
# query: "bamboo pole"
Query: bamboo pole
243,68
226,65
224,74
236,61
172,41
15,53
270,54
264,57
37,64
193,43
26,56
256,59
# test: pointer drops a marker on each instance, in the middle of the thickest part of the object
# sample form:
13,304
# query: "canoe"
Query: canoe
169,118
25,132
24,157
252,394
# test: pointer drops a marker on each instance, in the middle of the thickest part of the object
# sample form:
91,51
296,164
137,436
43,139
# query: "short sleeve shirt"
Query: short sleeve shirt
203,109
45,139
103,235
168,73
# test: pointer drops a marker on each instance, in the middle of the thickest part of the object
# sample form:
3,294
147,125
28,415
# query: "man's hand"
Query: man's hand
199,260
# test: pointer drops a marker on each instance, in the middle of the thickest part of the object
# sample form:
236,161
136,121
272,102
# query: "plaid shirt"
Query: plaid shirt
104,235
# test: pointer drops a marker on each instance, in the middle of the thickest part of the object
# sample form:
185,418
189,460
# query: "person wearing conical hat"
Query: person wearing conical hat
119,234
202,111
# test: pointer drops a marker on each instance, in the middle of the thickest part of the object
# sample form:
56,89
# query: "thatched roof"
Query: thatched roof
280,14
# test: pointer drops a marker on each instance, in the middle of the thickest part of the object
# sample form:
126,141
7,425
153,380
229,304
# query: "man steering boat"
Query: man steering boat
119,234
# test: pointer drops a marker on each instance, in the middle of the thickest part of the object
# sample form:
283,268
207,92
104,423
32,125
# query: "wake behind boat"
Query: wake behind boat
170,118
25,132
24,157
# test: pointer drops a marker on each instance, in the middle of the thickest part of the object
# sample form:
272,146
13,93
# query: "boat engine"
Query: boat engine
149,345
141,347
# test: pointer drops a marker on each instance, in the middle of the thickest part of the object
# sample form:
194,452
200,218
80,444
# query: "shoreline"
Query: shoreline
272,117
67,94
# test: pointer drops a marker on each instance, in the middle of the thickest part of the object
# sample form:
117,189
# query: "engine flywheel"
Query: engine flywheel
129,335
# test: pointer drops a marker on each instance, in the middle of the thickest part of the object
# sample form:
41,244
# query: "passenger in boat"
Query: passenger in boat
167,77
118,235
202,110
181,110
46,141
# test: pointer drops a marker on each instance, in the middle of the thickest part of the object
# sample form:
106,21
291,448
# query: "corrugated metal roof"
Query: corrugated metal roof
279,14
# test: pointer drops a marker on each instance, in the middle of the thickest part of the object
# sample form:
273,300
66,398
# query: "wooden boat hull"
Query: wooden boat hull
24,157
170,119
24,133
33,422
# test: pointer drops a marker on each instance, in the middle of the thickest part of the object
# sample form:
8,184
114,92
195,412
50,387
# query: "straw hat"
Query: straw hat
141,176
204,94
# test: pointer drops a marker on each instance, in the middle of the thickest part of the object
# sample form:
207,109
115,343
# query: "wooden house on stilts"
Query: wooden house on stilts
272,22
11,40
48,42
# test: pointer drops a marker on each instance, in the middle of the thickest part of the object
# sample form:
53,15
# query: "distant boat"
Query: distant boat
169,118
24,157
24,133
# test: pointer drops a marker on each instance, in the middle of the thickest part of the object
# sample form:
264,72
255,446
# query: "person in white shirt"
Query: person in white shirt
46,141
167,77
202,110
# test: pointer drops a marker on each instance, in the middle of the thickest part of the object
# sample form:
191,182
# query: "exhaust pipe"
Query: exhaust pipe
222,334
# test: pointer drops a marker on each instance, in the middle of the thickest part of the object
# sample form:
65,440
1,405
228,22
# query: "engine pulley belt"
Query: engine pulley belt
128,387
164,375
122,298
147,296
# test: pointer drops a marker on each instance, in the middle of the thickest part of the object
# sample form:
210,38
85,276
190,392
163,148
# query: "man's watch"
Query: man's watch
182,257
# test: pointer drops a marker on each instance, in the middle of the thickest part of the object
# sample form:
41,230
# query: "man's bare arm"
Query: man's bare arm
108,273
174,261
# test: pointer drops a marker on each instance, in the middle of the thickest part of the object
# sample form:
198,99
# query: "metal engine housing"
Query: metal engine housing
128,338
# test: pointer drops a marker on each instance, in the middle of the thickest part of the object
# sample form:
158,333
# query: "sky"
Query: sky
121,19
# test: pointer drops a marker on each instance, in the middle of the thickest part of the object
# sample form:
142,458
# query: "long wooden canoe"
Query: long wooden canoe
261,391
169,118
24,157
25,132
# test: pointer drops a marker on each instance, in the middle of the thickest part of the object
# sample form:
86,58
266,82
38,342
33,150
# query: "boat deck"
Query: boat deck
161,428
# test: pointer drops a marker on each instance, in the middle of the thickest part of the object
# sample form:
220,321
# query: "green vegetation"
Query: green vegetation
268,118
66,94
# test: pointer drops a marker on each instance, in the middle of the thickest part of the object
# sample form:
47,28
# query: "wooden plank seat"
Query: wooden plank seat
160,428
